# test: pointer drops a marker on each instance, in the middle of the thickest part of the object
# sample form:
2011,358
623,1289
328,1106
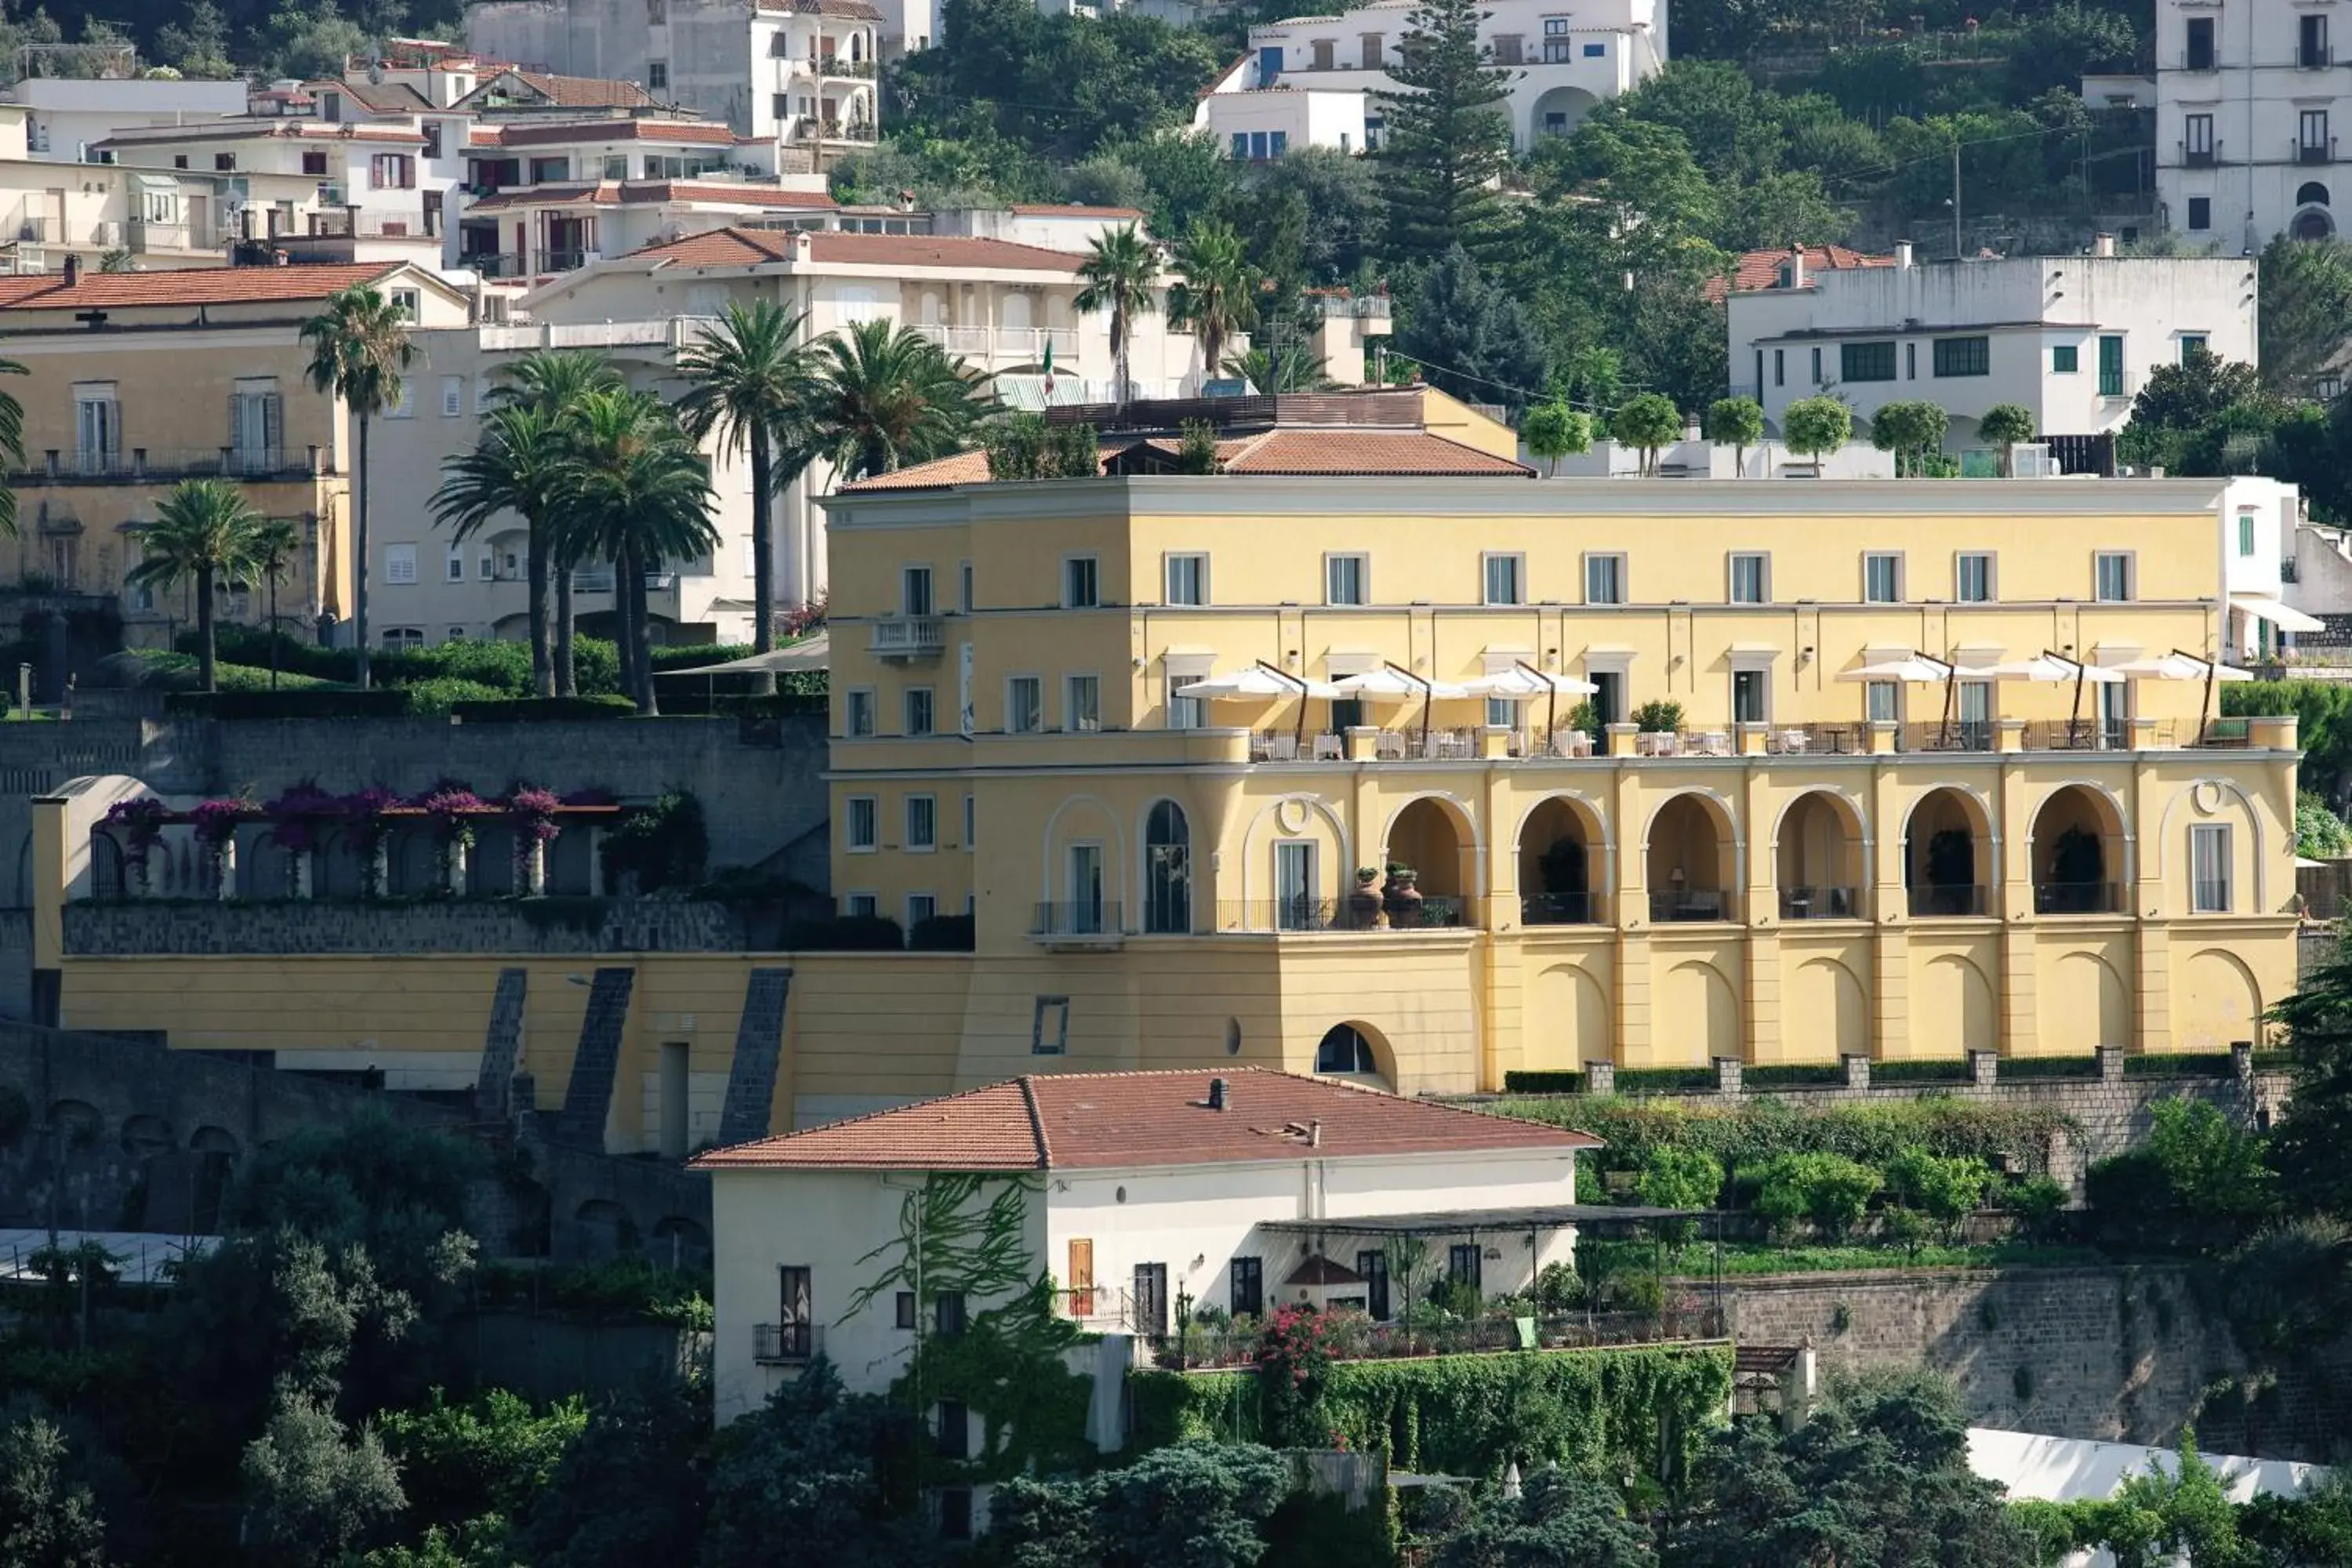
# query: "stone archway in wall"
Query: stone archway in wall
1954,1009
1825,1015
2221,1003
1565,1021
1356,1051
1696,1018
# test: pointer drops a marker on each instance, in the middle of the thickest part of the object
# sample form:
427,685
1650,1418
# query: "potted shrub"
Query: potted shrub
1658,718
140,821
1402,898
1364,903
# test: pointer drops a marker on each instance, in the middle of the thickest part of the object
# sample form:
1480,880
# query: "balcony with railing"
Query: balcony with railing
1086,921
2078,899
1018,345
1821,903
155,464
1305,914
1947,900
1563,909
907,638
1677,906
787,1345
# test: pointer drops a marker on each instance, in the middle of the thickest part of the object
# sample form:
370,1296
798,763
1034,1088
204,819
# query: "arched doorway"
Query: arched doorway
1560,866
1167,870
2311,223
2077,854
1820,858
1560,111
1691,861
1946,854
1430,849
1348,1050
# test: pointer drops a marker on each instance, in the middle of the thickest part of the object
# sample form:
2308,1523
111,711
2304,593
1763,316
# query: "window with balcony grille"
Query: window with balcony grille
1866,362
2197,140
2208,868
2312,142
795,1312
1963,356
2311,42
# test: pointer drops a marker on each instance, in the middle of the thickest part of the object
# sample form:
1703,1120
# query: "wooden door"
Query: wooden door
1081,1280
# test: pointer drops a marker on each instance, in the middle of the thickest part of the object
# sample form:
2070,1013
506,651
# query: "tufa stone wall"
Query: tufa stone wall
305,926
2120,1354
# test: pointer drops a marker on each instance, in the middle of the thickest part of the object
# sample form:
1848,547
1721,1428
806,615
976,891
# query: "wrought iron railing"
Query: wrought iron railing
1819,903
2078,898
1938,899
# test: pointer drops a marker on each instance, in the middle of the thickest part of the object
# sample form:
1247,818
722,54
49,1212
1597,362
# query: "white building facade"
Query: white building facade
1129,1191
2252,117
1311,80
68,117
2069,338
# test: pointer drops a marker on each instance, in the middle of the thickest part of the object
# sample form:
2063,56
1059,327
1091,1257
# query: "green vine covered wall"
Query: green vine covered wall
961,1234
1646,1407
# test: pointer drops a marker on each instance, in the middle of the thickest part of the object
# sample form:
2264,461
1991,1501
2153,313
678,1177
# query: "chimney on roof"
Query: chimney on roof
802,244
2103,245
1902,253
73,270
1314,1135
1797,267
1217,1095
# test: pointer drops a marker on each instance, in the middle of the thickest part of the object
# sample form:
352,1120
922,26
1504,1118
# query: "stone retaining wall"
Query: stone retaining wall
456,926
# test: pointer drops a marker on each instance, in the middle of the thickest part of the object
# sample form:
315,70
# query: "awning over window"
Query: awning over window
162,184
2279,616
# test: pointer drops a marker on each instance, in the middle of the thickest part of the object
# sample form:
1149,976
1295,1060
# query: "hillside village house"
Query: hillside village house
2069,338
2250,123
1312,81
137,380
69,116
1137,1192
998,304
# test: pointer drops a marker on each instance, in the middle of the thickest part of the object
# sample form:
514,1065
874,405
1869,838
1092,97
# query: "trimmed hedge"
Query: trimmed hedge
1620,1409
543,710
2014,1067
1666,1080
1919,1073
1543,1083
2181,1064
942,934
1793,1075
1748,1131
845,933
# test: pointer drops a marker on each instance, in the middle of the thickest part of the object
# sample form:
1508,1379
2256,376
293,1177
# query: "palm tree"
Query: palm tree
12,446
274,545
880,397
358,348
1292,367
518,465
639,494
751,383
203,534
1119,274
553,381
1217,295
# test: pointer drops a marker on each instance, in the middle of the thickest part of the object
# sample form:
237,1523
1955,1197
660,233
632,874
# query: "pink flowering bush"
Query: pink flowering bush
1295,1351
215,822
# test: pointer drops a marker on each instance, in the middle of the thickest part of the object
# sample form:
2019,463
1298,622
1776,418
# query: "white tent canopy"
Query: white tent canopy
812,652
1258,683
2048,667
2278,615
1521,682
2178,666
1919,669
1390,684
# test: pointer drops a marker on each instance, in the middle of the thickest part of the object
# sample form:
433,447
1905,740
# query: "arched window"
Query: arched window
2311,223
2312,195
1345,1050
1167,870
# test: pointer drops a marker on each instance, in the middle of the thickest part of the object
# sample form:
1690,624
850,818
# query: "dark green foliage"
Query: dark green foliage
1562,1519
494,1456
1447,141
1024,447
48,1518
384,702
845,933
1826,1191
1471,337
313,1491
1749,1132
632,1490
941,933
2307,1148
1543,1083
666,846
542,710
1792,1075
1190,1505
821,1470
2194,1165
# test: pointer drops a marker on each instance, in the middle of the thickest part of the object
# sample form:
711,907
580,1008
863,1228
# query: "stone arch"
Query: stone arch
680,1242
1826,1015
2079,851
2312,223
1953,1010
1691,857
1947,831
605,1228
1698,1015
1558,112
213,1141
2221,1003
1166,876
2085,1005
2311,193
1567,1022
1820,853
1437,836
143,1135
77,1121
1354,1049
1565,868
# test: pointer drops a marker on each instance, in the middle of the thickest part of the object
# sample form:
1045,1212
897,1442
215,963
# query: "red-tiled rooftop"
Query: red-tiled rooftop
195,286
627,193
698,132
756,246
1327,453
1761,268
1068,1121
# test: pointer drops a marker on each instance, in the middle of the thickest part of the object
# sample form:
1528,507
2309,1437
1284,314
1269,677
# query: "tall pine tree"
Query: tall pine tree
1447,138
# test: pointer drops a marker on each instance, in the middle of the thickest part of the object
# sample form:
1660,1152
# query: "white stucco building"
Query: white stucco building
428,587
2253,113
1311,80
2071,338
1128,1189
69,116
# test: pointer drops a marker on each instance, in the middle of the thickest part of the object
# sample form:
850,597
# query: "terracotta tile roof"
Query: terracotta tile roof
753,247
848,10
1761,268
262,130
195,286
1401,453
1069,209
939,474
567,91
702,133
384,97
631,193
1065,1121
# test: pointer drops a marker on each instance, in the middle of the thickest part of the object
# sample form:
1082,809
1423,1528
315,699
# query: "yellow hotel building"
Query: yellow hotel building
1808,865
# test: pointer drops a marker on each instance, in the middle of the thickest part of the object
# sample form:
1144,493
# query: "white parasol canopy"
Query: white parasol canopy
2177,665
2051,667
1395,686
1919,669
812,652
1520,683
1255,682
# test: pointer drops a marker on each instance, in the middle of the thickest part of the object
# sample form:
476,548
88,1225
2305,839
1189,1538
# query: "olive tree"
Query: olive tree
1817,426
1737,423
1648,422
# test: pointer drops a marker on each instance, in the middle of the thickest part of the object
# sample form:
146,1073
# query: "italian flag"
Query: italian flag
1049,370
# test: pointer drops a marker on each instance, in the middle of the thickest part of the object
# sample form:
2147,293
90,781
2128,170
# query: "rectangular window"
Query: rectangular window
1183,712
2245,533
453,396
656,76
970,823
915,591
1346,579
2313,140
859,831
1609,701
1910,361
923,821
1188,579
1278,142
1297,898
1241,145
795,1312
948,1314
2208,868
1882,701
2201,213
2199,55
1082,703
1972,577
2111,575
433,138
1374,1267
1605,579
1817,366
919,710
964,601
955,1513
1963,356
2311,42
906,1308
2196,141
1866,362
1751,578
393,172
2191,345
2111,364
312,163
400,563
955,1429
1596,51
1081,582
1882,578
864,906
1750,696
920,906
453,564
1779,367
1463,1263
2063,358
1025,705
1249,1288
223,163
858,712
1049,1026
1503,573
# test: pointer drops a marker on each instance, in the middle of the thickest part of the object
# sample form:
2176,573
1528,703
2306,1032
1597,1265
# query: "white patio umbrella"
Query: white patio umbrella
1389,683
2050,669
1914,669
1258,682
1523,682
2179,666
